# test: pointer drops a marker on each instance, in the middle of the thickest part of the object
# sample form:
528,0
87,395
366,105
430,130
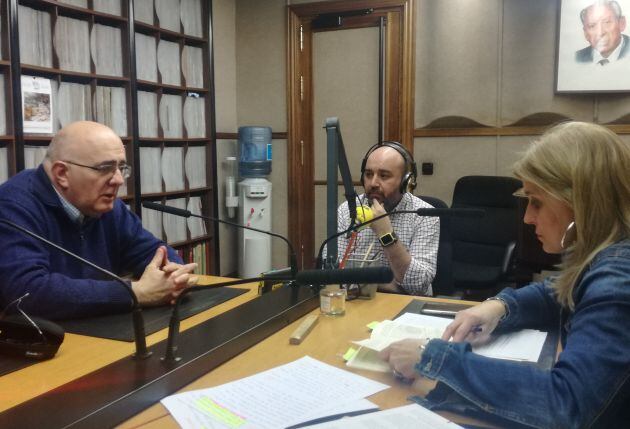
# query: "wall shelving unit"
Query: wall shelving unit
141,67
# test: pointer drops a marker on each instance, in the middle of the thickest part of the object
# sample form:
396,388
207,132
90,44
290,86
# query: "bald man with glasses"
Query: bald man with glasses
71,199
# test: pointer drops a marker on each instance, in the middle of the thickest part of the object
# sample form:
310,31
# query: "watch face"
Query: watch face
388,239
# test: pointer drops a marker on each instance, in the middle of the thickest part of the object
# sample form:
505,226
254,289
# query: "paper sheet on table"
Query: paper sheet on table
408,416
366,358
388,332
283,396
415,319
524,345
340,410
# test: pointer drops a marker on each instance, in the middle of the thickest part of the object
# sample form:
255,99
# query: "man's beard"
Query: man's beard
388,204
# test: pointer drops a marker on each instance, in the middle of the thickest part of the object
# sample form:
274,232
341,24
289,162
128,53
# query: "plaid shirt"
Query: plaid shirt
419,234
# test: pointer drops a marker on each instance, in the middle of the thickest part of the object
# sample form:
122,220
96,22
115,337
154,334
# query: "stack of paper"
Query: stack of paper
192,66
195,116
171,116
195,163
72,44
143,11
34,155
524,345
106,50
36,42
175,226
168,14
150,169
191,17
173,168
74,103
3,107
146,58
147,114
111,7
408,416
152,221
196,226
168,62
110,105
4,165
298,392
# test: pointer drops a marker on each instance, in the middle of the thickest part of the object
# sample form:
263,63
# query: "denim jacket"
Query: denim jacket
589,385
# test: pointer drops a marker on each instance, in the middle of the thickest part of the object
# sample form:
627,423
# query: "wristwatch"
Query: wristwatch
388,239
506,307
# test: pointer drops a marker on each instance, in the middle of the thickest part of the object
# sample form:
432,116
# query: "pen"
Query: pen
447,313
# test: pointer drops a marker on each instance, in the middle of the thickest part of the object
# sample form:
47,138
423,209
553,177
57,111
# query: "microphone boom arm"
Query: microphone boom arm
187,213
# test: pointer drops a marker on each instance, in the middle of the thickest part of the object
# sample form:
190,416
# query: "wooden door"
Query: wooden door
333,71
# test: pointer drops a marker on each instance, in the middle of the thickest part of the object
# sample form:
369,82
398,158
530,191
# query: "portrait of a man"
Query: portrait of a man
593,50
603,24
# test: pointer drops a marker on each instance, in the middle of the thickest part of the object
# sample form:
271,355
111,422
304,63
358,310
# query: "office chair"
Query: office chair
483,247
443,281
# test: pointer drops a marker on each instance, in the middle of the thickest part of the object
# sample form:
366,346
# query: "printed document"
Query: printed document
524,345
408,416
297,392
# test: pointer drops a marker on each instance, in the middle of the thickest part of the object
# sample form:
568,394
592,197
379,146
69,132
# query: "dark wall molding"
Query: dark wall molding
282,135
500,131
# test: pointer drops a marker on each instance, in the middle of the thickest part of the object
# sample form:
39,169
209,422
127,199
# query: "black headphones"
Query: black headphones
409,179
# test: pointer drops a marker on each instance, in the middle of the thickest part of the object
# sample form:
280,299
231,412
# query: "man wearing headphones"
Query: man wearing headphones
407,243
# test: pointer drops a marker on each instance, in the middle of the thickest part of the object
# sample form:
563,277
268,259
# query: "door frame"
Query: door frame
398,99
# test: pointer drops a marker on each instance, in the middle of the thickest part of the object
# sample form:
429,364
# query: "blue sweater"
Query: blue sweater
60,287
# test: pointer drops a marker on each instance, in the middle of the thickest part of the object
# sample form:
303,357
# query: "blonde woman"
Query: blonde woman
577,181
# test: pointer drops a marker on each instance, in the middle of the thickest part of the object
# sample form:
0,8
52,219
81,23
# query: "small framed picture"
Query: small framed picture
593,46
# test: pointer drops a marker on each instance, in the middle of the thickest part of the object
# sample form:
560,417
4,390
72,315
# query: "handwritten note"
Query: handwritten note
299,391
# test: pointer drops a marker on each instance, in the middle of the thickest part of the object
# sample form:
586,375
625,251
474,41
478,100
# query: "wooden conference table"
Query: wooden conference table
79,356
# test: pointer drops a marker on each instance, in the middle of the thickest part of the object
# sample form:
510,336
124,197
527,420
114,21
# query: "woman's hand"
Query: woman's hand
403,356
475,324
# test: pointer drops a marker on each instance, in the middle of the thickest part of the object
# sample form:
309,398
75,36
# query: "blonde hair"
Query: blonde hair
587,166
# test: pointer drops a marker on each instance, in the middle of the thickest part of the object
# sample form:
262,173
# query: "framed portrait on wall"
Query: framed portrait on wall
593,46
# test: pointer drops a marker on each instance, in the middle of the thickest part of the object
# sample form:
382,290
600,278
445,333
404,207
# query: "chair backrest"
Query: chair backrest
443,281
482,241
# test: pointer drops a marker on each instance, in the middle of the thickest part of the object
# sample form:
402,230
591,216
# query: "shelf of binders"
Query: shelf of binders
180,232
145,85
112,13
173,172
83,47
174,140
81,52
170,35
73,76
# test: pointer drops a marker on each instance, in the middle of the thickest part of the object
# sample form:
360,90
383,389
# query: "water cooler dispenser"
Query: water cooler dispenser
254,200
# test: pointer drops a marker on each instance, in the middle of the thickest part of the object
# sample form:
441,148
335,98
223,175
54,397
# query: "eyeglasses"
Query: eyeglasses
107,168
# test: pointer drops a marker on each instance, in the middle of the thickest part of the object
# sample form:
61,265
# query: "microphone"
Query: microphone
187,213
136,312
436,212
427,212
28,337
364,214
345,276
306,277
